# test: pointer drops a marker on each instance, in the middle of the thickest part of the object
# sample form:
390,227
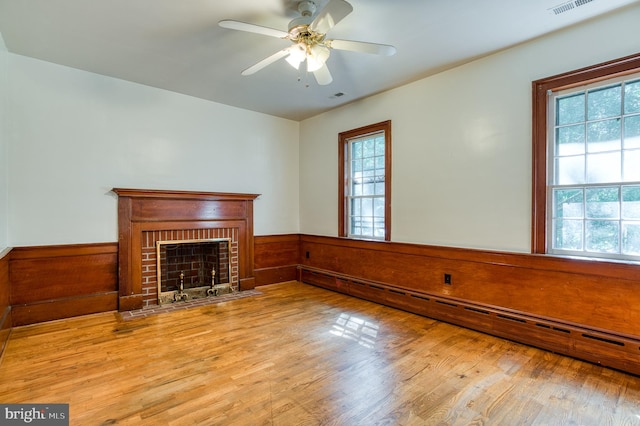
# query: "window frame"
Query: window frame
540,116
343,178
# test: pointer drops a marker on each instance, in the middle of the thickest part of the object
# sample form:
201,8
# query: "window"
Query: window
365,182
587,162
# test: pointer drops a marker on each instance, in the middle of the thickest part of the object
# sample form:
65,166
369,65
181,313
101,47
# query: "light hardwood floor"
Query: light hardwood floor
300,355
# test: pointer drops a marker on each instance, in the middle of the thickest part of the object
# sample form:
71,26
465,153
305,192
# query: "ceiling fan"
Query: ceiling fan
308,35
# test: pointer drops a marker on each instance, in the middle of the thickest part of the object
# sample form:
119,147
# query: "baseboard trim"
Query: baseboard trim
606,348
278,274
54,309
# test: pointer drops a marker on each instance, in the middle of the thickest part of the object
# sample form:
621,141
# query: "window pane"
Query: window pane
356,171
601,236
603,168
367,206
632,132
603,136
368,149
631,238
604,103
631,202
378,227
632,97
379,188
356,150
367,231
568,203
569,170
570,140
356,207
368,163
368,189
603,203
356,189
631,165
380,145
568,234
570,109
378,208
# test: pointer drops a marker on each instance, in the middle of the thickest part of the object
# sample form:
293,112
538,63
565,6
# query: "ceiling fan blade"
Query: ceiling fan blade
361,46
252,28
322,75
267,61
333,13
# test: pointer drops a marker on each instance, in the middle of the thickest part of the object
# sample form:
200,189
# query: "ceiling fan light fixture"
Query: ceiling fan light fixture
297,55
317,56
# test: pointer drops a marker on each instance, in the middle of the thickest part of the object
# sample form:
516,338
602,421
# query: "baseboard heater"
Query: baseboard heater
608,349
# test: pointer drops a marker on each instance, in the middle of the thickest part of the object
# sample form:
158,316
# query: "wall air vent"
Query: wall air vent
567,6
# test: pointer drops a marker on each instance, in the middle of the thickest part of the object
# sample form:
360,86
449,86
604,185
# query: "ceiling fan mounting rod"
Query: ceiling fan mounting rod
306,8
299,28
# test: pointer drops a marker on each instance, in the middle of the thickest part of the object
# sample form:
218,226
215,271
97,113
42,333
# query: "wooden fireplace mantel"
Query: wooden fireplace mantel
183,195
141,210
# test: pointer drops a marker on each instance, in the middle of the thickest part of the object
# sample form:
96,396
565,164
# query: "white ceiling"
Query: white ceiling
177,45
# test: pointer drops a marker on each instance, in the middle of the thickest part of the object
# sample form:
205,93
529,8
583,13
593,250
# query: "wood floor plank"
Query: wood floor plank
300,355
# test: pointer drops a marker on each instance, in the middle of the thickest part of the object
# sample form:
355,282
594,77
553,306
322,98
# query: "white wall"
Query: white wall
76,135
4,163
461,141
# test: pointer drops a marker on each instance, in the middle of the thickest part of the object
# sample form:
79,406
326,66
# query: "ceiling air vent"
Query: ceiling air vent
563,8
567,6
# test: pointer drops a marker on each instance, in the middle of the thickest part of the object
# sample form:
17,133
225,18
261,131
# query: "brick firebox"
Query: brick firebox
149,260
142,213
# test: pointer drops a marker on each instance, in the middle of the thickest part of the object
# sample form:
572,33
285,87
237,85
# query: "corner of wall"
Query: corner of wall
4,149
5,306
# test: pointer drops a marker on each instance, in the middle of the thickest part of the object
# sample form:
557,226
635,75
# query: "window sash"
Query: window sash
365,186
373,183
614,236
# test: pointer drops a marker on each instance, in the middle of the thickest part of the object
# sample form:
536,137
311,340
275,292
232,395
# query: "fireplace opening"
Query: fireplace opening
193,269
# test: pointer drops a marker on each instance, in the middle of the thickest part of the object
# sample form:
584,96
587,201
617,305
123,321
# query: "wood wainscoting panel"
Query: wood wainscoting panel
5,303
53,282
576,307
276,258
601,295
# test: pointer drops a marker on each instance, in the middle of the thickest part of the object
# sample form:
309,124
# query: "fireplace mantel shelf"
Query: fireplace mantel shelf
184,195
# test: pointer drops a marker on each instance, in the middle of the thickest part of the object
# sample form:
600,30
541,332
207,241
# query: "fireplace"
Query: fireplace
151,219
193,269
